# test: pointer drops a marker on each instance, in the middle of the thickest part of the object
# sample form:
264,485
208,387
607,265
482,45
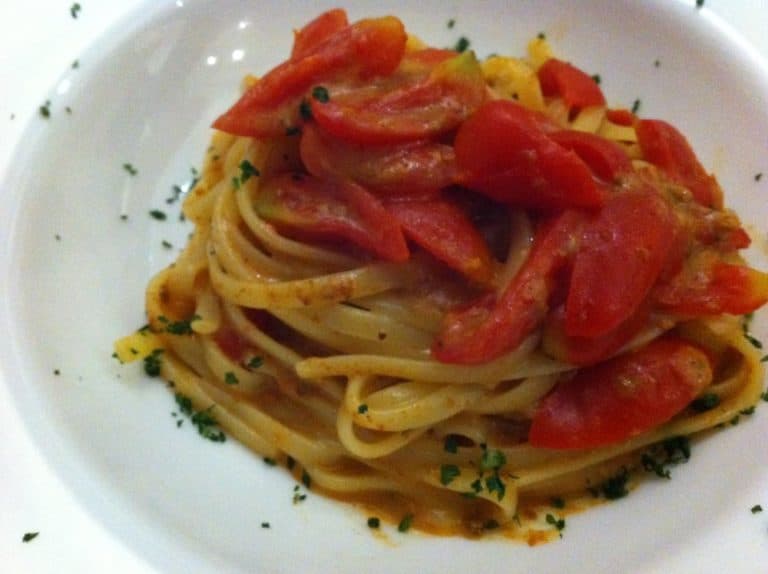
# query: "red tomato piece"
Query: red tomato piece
494,326
503,152
317,31
621,398
443,229
565,80
230,343
665,147
406,170
367,48
622,117
453,90
305,206
587,351
607,159
709,286
625,249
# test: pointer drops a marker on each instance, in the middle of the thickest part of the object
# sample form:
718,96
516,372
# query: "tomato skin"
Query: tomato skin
367,48
417,169
577,88
709,286
587,351
664,146
621,117
453,90
625,249
621,398
503,152
605,158
337,210
317,31
443,229
493,326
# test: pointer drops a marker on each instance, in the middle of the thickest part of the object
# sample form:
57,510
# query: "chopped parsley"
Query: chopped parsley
45,109
699,3
56,372
374,522
705,402
255,363
541,36
230,378
75,64
305,110
158,215
297,495
451,23
183,327
68,110
405,523
290,462
557,502
756,508
451,444
764,396
247,171
495,484
492,460
320,93
269,461
74,10
636,106
152,363
748,411
758,176
656,63
597,79
616,486
265,524
166,244
462,44
306,480
448,472
362,409
206,424
176,192
558,523
130,169
491,524
29,536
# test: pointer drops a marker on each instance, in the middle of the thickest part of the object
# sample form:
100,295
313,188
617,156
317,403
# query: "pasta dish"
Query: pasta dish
452,291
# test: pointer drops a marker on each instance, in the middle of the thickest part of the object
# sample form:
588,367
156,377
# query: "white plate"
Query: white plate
101,439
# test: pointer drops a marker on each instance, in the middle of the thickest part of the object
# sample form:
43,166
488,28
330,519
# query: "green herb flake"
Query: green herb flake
305,110
758,176
247,171
705,402
597,79
491,524
269,461
236,183
748,411
75,64
320,93
492,460
448,472
699,4
650,464
451,23
636,106
451,444
56,372
290,462
230,378
158,215
183,327
764,396
255,363
29,536
207,427
306,480
362,409
495,484
128,167
558,523
756,508
265,525
74,10
541,36
557,502
374,522
45,109
153,362
166,244
616,486
406,523
462,44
